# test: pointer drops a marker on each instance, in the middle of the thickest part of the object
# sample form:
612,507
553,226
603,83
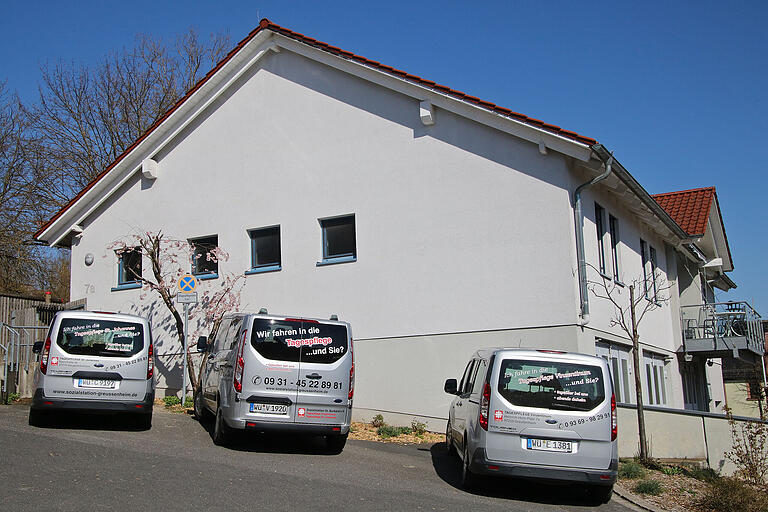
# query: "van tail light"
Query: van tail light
44,356
485,402
614,419
240,365
352,381
150,361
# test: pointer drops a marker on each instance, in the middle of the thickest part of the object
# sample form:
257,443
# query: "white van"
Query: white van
275,373
95,361
540,414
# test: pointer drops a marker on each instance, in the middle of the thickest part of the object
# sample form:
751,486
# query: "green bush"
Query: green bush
671,470
631,470
650,486
188,402
171,400
419,428
387,431
12,397
732,495
703,474
378,421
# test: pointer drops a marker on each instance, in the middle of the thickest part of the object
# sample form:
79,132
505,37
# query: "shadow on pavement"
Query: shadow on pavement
73,420
448,468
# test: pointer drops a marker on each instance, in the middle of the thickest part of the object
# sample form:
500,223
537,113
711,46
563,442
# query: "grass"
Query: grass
631,470
650,486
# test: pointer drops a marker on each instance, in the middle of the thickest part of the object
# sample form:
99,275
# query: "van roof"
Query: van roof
537,353
105,315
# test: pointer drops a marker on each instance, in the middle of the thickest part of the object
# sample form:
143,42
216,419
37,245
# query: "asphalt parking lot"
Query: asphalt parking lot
102,463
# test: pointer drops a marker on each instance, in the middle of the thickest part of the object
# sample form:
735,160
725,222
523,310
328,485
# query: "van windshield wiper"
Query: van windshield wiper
567,407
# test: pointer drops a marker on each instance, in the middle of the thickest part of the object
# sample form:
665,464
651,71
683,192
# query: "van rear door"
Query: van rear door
272,369
324,373
550,412
97,359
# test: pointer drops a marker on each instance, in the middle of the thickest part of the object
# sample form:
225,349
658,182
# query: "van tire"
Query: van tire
468,477
220,430
335,444
38,418
199,410
600,493
449,440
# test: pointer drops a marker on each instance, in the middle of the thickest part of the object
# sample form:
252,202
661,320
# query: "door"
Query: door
461,404
210,384
93,358
325,366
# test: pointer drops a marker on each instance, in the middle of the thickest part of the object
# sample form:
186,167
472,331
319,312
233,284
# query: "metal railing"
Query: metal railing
723,320
17,350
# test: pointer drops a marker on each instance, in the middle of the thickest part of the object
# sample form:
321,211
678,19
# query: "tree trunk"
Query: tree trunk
638,381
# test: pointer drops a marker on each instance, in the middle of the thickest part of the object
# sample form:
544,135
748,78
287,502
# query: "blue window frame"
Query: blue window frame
203,265
265,250
128,269
339,240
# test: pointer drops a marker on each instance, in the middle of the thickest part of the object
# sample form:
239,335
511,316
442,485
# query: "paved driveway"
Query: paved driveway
95,463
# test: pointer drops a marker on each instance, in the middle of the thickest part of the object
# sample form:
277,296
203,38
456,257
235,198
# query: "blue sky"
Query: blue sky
676,89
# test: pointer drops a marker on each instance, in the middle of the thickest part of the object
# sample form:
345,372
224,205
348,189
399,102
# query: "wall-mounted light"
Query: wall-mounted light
88,260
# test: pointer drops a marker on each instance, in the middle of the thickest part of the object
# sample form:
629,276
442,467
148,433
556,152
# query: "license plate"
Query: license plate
96,383
550,445
269,409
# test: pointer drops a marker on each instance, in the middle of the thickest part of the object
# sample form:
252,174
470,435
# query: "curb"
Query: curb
635,499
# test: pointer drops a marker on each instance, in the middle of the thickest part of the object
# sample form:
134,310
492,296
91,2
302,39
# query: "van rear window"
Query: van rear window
294,340
551,385
95,337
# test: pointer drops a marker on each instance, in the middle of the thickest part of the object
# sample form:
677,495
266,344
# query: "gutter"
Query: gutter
578,218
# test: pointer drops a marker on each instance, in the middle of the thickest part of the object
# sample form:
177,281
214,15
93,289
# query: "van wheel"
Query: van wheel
198,408
600,493
468,478
449,440
335,444
38,418
220,430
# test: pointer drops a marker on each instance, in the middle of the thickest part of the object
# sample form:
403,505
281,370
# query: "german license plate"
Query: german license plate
550,445
96,383
269,409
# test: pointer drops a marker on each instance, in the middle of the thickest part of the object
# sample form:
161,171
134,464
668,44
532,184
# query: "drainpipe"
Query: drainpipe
579,222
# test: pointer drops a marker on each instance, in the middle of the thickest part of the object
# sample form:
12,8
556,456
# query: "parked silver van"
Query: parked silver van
95,361
274,373
540,414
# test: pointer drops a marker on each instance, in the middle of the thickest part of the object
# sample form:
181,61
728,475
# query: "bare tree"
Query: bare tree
628,314
168,259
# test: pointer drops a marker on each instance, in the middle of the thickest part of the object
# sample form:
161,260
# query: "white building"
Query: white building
436,223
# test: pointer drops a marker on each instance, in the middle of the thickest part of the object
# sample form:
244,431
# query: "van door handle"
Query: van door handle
459,404
314,376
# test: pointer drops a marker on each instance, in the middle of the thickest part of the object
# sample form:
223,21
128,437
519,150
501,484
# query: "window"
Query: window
644,259
284,340
618,360
653,275
204,262
600,223
655,392
129,268
613,226
95,337
339,244
265,249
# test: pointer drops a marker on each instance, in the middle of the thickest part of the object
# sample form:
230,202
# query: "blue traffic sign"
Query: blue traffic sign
187,283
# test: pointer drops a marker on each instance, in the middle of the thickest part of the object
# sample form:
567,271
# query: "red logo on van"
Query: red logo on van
54,361
498,415
301,411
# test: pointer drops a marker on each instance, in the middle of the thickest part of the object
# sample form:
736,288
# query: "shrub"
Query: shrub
171,401
703,474
650,486
387,431
188,402
378,421
419,428
749,450
631,470
671,470
12,397
732,495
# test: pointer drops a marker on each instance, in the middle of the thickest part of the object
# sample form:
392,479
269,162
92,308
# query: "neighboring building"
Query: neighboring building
722,344
435,222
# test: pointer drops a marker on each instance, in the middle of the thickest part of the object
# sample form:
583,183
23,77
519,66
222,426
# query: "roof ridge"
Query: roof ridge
701,189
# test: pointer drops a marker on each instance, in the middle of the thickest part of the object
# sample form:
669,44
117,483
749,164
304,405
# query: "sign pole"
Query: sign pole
184,355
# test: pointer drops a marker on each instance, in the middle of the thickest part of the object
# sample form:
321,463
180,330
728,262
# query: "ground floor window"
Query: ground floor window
655,379
618,357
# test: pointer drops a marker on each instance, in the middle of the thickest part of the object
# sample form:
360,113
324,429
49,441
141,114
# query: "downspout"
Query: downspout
579,222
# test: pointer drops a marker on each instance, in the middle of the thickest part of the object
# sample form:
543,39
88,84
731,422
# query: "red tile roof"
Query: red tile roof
689,208
265,24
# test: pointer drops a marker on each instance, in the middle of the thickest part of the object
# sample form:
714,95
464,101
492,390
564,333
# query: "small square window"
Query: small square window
204,263
265,249
339,243
129,266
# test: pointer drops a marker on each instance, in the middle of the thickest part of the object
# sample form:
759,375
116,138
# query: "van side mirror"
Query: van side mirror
37,347
451,387
202,343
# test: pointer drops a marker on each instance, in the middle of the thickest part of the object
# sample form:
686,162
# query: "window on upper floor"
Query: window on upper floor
613,226
129,267
339,240
265,249
644,260
205,265
600,223
654,285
